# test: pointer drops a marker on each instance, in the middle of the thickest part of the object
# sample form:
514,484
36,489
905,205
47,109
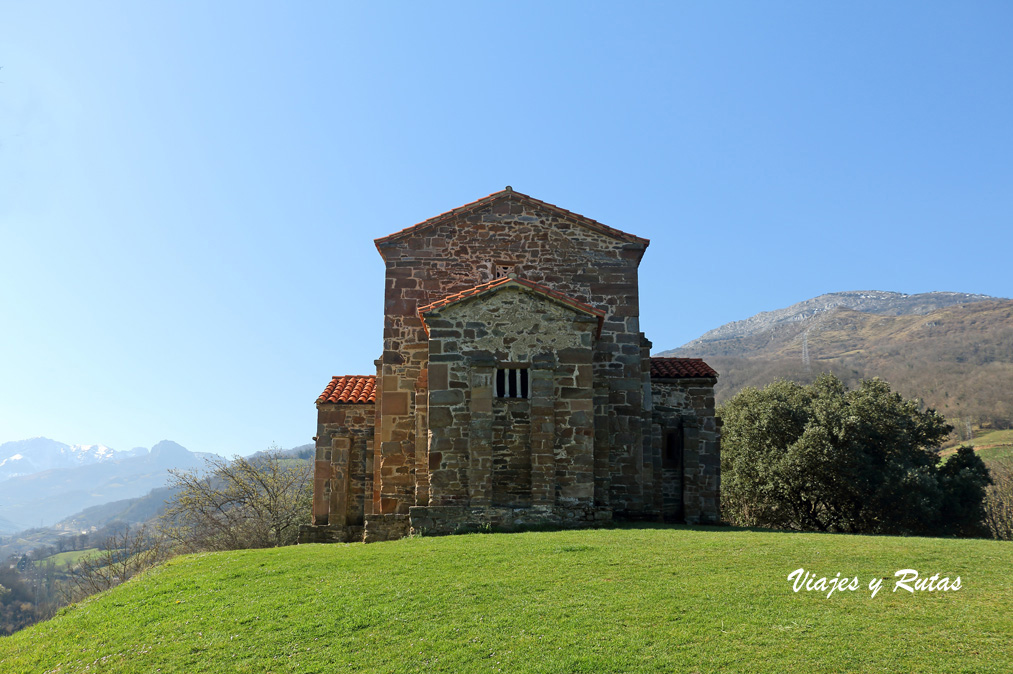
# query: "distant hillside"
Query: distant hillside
130,510
17,539
957,357
98,518
44,498
307,451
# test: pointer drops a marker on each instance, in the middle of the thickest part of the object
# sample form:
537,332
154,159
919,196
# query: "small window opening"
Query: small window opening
512,383
500,270
673,446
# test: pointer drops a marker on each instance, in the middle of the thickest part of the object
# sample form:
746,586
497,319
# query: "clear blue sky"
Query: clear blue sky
189,190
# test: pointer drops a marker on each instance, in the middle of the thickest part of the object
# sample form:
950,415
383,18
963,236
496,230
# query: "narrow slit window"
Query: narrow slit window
512,382
673,447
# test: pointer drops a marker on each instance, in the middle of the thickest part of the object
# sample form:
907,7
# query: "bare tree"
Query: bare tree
256,502
122,557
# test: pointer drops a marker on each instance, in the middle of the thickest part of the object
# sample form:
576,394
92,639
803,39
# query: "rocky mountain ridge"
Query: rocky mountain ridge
24,457
867,301
957,359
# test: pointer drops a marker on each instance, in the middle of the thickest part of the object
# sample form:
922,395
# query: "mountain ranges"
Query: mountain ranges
49,480
953,351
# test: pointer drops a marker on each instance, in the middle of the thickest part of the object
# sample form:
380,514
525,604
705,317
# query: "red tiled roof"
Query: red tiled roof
505,281
506,194
350,389
681,368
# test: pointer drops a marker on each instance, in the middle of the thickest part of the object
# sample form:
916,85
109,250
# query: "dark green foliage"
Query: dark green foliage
822,457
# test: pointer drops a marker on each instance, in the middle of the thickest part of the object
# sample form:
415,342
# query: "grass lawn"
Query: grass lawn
994,453
989,446
70,558
648,599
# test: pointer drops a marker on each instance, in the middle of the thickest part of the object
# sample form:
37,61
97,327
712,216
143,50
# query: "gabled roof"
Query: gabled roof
354,388
509,281
509,193
681,368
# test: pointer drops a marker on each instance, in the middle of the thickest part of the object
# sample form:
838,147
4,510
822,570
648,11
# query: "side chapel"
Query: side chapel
515,388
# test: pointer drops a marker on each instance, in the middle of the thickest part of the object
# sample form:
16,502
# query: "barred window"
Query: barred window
511,383
502,269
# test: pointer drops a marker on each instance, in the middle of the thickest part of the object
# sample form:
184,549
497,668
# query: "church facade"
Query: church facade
515,388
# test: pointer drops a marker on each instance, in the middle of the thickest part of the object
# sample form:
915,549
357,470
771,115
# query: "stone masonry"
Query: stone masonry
514,388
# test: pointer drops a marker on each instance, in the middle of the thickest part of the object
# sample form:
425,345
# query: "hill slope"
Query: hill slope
958,358
646,599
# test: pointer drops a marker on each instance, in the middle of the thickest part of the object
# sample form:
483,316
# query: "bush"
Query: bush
825,458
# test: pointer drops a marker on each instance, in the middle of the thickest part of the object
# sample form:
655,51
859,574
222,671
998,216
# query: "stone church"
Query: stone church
515,388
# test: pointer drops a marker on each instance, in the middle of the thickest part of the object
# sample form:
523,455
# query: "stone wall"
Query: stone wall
691,403
447,520
500,455
343,469
511,452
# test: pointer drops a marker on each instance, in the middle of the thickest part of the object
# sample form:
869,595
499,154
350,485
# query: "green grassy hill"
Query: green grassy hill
990,446
70,559
643,600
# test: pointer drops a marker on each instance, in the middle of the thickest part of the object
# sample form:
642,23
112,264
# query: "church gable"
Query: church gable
515,324
508,202
510,307
506,233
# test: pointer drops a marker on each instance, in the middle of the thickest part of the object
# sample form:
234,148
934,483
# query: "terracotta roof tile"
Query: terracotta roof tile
681,368
505,281
507,193
350,389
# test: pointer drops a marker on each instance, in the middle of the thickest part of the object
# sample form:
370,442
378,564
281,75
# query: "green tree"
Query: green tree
825,458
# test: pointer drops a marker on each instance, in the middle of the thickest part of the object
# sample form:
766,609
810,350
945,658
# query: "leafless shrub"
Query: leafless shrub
256,502
120,558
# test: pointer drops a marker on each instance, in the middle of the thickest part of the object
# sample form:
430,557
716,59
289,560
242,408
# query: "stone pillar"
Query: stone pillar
543,431
340,467
602,446
574,417
372,504
691,472
447,443
422,441
395,480
321,485
480,432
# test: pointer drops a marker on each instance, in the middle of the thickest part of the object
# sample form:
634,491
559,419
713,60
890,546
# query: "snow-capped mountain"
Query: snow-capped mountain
42,481
24,457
